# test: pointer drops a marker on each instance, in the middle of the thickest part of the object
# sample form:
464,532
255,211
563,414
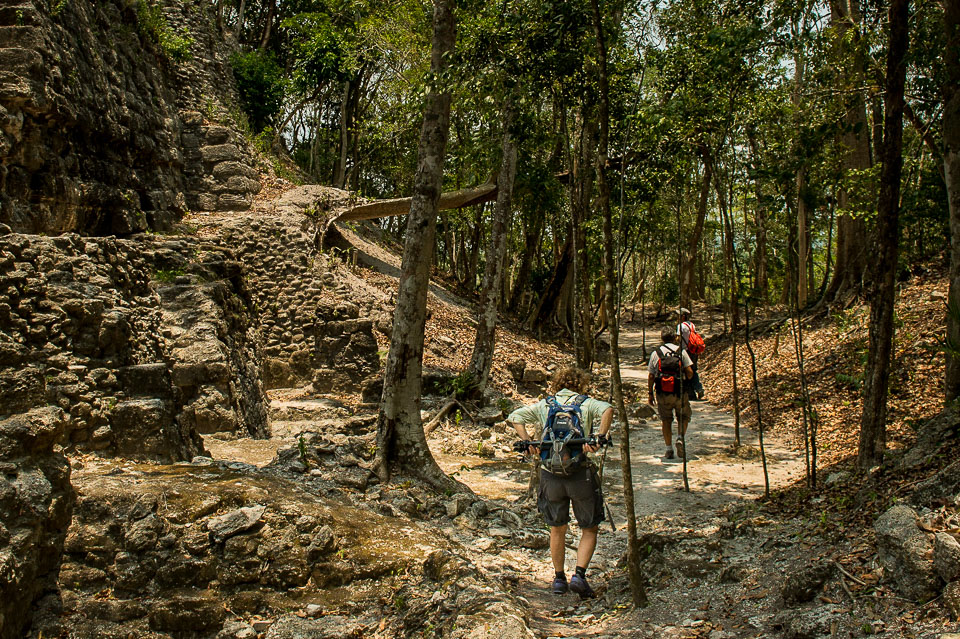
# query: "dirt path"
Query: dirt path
717,477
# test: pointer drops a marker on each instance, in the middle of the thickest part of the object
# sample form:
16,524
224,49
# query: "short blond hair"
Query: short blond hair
571,378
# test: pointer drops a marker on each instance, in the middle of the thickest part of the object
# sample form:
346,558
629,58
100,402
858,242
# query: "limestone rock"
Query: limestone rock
330,627
951,599
36,500
534,376
905,552
491,621
946,556
234,522
804,584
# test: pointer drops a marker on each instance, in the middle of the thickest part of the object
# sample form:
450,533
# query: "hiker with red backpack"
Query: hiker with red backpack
692,342
667,363
569,424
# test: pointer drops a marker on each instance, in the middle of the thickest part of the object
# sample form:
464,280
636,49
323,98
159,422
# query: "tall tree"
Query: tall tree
951,164
612,284
483,346
885,247
400,436
851,256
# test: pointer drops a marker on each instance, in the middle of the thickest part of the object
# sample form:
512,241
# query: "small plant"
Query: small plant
153,26
168,275
59,7
302,447
504,405
460,385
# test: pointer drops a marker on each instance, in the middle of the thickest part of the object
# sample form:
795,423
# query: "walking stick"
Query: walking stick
603,458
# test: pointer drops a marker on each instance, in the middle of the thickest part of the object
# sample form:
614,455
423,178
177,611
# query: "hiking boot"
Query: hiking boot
580,586
560,585
680,448
668,454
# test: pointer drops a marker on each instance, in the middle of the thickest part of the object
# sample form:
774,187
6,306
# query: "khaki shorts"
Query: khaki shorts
581,488
668,404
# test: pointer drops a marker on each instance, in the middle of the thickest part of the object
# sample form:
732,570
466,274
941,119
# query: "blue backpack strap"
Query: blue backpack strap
579,400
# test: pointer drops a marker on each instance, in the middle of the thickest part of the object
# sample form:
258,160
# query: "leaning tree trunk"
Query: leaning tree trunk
400,437
634,570
482,358
885,249
550,300
951,165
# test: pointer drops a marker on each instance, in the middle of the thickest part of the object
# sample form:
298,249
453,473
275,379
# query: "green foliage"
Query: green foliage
320,51
168,275
460,385
261,84
153,27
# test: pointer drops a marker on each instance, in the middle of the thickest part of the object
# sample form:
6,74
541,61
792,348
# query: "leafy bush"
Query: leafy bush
153,26
260,82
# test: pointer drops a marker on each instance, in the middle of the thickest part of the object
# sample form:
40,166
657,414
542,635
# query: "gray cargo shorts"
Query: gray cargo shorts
581,487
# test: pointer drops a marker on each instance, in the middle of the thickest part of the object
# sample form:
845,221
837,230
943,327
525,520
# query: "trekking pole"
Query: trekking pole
603,458
680,427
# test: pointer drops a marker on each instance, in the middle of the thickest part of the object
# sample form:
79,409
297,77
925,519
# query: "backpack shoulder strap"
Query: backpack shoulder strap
551,401
579,400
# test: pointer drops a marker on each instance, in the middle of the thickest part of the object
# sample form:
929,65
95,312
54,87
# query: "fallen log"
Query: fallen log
401,206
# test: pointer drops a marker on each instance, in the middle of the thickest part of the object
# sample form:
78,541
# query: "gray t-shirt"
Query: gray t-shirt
683,330
591,411
653,366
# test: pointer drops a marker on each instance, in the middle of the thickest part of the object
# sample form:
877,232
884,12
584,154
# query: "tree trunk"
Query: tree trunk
581,187
400,437
240,15
884,249
851,261
803,241
482,358
550,299
531,239
689,261
476,238
611,285
268,25
951,166
340,173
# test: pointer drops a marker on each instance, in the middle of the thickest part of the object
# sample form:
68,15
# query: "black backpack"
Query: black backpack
668,371
564,423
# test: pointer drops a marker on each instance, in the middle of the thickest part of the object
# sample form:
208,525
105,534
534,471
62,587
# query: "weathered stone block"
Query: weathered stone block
905,552
946,557
220,153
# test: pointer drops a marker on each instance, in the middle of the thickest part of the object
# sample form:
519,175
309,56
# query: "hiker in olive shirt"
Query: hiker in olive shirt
580,487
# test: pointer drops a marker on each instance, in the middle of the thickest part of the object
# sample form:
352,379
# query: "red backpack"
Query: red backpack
695,343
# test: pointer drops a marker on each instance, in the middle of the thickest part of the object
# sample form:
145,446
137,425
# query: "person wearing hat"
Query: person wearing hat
683,330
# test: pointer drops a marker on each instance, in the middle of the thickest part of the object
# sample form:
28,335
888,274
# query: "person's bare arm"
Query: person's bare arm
651,397
606,421
524,435
688,372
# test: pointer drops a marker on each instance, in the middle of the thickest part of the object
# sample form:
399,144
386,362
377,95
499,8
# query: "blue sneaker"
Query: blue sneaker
580,586
560,585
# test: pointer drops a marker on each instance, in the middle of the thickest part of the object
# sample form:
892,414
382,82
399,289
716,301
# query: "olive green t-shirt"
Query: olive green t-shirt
590,411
